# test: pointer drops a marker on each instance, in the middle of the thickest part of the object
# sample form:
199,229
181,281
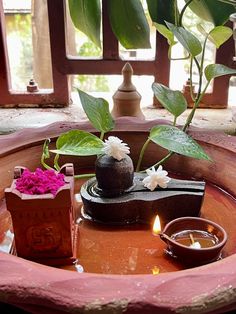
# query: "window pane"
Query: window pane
42,67
141,54
106,85
19,41
28,43
77,43
180,69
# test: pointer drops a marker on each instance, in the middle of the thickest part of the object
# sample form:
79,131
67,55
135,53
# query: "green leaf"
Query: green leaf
46,153
213,11
164,31
177,141
97,111
215,70
202,30
129,23
78,143
173,101
161,11
219,35
86,16
187,39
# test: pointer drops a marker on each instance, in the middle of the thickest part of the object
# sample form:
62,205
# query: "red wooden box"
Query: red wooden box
44,224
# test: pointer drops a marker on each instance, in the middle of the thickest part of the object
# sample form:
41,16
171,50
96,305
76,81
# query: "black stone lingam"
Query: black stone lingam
117,195
114,177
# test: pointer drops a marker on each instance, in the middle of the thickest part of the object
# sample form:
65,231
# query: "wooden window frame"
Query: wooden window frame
110,63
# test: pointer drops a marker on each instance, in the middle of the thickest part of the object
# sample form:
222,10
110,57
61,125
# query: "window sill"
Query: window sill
15,119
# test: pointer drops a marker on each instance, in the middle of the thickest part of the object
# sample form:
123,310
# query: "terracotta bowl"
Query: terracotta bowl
206,289
190,255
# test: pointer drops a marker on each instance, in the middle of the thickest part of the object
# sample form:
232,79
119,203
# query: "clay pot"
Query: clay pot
114,176
188,255
208,289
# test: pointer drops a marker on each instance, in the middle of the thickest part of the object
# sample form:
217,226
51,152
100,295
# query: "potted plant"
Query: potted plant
41,207
169,22
173,138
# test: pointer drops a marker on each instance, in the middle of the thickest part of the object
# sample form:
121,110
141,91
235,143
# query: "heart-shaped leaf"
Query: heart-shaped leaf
97,111
164,31
173,101
202,30
161,11
86,16
215,70
187,39
215,11
177,141
129,23
78,143
219,35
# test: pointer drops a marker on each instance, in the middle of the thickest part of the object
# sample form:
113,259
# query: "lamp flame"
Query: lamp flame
156,226
155,270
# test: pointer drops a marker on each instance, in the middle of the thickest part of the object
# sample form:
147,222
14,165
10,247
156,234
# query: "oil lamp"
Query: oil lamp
193,240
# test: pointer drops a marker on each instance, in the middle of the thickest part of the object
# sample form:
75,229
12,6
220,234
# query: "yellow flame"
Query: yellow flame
156,226
155,270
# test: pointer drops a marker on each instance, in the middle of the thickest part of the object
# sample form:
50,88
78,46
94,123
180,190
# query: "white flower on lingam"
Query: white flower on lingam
115,148
156,178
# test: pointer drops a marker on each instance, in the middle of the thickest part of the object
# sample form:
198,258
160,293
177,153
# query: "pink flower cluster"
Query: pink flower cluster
40,182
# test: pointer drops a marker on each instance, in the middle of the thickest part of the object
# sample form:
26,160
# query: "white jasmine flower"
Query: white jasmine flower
156,178
115,148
